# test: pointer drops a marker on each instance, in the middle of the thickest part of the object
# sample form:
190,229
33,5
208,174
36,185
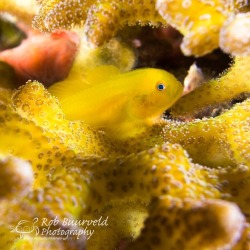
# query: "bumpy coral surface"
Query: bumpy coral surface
177,224
229,86
97,16
199,21
213,136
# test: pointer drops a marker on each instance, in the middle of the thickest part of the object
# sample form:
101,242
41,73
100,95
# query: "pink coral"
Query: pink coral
44,58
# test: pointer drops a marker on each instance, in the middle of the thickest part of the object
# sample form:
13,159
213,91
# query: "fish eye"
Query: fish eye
160,86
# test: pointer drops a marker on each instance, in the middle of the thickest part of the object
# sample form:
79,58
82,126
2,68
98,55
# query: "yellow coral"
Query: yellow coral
32,101
225,137
115,52
231,84
80,186
80,174
234,184
86,187
158,171
59,199
7,237
95,184
101,19
188,224
41,244
26,125
199,21
16,176
113,183
41,150
234,35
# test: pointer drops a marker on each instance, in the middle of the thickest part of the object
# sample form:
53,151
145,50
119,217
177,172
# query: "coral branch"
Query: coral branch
177,224
230,85
228,144
102,19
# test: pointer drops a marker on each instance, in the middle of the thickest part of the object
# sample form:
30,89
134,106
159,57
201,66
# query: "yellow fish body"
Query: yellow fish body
122,104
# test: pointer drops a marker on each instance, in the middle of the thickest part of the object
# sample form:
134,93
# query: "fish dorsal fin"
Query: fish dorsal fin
67,88
101,74
79,82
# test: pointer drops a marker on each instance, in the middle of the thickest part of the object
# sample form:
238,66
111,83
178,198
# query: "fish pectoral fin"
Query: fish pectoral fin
101,74
126,130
